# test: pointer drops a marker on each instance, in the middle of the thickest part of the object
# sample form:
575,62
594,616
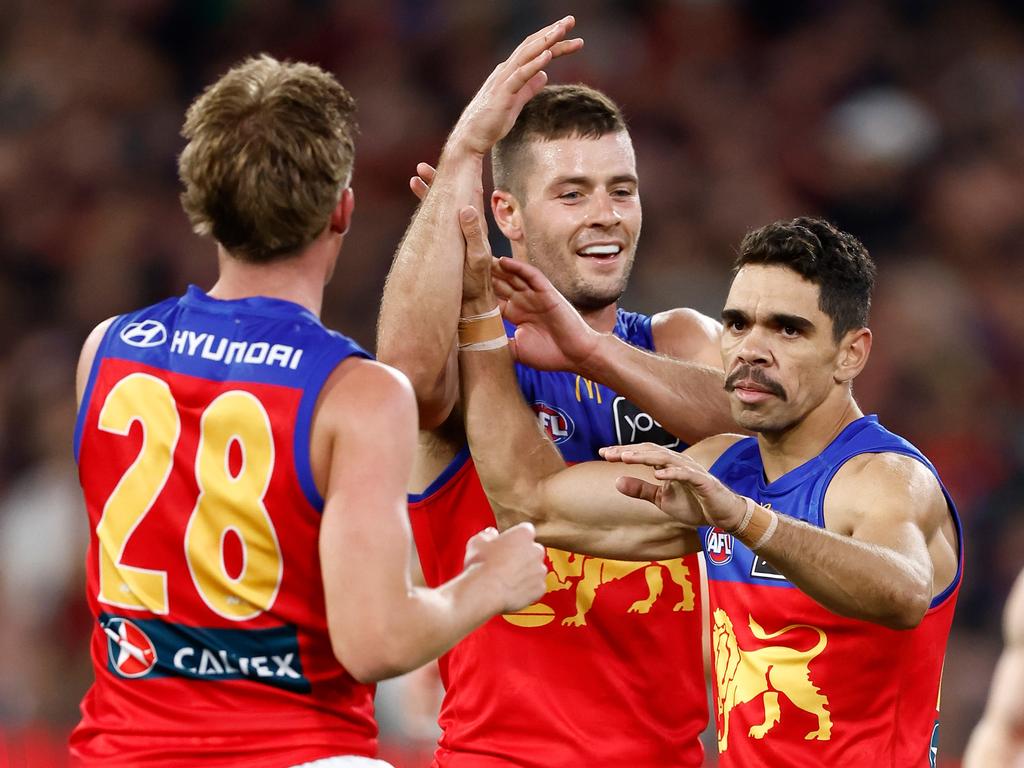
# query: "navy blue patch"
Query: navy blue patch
140,648
633,425
762,569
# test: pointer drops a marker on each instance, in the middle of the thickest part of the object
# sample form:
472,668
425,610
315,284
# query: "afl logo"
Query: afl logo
555,422
718,546
129,649
144,333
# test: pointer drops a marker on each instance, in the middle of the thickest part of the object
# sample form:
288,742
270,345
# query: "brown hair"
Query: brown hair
556,112
270,149
822,254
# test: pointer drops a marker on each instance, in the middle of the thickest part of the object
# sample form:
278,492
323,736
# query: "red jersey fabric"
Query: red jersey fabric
211,645
604,670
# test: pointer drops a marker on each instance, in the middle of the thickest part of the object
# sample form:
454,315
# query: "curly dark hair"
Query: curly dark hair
835,261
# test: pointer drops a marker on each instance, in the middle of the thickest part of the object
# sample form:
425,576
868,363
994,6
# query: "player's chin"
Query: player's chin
597,295
756,417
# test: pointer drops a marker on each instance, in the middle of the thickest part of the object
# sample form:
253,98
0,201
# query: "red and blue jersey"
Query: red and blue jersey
796,684
606,669
210,645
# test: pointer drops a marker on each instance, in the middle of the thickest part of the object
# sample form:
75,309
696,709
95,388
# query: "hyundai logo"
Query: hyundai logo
144,333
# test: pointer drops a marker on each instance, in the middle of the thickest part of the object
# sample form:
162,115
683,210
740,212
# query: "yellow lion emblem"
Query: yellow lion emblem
744,674
588,574
594,572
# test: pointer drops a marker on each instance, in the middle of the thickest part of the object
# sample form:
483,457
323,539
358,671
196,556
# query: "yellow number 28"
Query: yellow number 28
227,501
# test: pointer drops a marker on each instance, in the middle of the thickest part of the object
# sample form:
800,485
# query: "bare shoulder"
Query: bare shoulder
710,449
366,390
88,355
688,335
887,482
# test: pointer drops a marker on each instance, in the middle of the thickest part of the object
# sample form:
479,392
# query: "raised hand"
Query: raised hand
476,270
687,491
550,333
494,109
514,563
420,183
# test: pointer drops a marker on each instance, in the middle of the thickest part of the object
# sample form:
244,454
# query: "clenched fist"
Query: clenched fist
513,562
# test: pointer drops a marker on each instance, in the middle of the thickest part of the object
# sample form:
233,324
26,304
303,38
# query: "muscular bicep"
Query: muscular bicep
585,512
895,502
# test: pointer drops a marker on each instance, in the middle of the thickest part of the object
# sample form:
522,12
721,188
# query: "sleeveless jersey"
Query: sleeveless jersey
606,669
210,645
798,685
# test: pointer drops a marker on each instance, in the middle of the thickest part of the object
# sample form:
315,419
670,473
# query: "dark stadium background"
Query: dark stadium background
900,121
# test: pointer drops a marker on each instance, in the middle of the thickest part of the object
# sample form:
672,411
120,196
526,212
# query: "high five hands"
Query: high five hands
493,110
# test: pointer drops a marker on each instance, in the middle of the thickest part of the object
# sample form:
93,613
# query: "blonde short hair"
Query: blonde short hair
270,150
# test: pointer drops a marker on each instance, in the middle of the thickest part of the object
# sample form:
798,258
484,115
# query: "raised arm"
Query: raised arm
575,508
682,389
999,738
888,549
420,306
381,624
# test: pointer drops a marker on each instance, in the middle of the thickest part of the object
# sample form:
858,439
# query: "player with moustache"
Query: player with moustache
834,552
244,471
607,667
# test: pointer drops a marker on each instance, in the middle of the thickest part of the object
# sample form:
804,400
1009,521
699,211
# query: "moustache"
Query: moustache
757,376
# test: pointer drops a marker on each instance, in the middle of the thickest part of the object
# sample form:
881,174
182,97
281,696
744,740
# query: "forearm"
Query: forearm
422,294
430,621
687,398
849,577
511,454
525,478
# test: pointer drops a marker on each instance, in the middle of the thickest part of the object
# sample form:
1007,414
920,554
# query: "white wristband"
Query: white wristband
769,532
739,529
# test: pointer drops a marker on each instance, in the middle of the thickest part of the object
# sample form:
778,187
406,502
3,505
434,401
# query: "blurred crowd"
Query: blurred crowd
901,121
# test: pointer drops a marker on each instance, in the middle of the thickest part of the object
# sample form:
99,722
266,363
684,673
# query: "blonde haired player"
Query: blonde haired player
244,471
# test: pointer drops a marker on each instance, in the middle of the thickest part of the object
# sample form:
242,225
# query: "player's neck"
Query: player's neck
784,451
601,320
297,279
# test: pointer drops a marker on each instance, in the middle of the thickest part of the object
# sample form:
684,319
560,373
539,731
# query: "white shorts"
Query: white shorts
346,761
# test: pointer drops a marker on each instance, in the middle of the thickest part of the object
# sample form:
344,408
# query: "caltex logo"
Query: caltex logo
130,650
144,333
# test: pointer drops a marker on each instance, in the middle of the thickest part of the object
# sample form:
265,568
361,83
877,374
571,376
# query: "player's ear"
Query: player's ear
341,216
853,354
507,214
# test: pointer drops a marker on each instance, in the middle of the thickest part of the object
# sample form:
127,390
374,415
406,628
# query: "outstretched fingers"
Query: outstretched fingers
535,53
551,36
642,453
